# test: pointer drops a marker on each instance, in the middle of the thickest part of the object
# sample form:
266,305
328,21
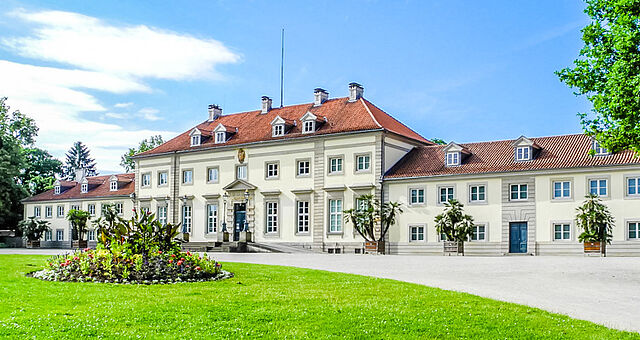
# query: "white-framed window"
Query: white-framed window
335,165
477,193
599,149
75,207
272,170
36,211
303,216
146,180
453,158
119,208
479,232
212,218
241,172
308,126
163,178
195,140
187,176
561,189
304,168
113,185
213,174
91,208
442,237
633,230
416,233
59,235
145,210
48,211
633,186
48,235
162,214
361,204
60,211
186,219
416,196
445,194
56,190
91,235
84,188
598,186
561,231
519,192
523,153
272,217
277,130
221,137
335,216
363,163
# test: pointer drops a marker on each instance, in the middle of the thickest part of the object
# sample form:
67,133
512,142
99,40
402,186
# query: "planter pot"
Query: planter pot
33,244
80,244
374,247
596,248
453,248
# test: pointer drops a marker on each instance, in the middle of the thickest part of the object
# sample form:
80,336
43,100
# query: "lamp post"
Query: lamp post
246,207
224,213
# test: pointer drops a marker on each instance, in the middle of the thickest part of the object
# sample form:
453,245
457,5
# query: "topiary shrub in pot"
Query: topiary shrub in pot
78,219
596,222
455,225
372,221
33,229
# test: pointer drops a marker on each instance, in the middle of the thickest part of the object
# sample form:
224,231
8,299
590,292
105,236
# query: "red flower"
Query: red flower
182,259
170,261
188,254
187,266
159,251
198,268
87,249
179,263
173,255
76,258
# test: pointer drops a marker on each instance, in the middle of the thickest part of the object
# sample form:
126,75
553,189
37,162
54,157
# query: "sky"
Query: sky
111,73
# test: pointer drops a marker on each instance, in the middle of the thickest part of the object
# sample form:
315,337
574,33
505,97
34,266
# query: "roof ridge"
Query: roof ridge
370,113
396,120
514,139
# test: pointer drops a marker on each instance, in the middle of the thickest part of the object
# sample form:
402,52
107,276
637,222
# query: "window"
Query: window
479,232
212,175
241,172
36,211
308,126
599,150
363,163
146,180
59,235
91,235
561,189
361,204
186,219
303,216
523,153
304,168
442,237
416,233
634,230
75,207
163,178
519,192
272,170
335,165
48,211
598,187
633,186
162,214
446,194
416,196
56,190
335,216
278,130
61,211
145,210
48,235
561,231
84,188
221,137
113,186
195,140
477,193
119,208
453,158
272,217
212,218
187,176
91,208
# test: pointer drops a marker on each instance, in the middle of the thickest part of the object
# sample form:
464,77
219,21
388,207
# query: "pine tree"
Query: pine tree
77,158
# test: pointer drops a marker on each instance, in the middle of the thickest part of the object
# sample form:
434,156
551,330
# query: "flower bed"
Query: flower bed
108,266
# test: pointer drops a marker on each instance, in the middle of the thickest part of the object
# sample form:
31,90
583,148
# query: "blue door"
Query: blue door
239,219
518,237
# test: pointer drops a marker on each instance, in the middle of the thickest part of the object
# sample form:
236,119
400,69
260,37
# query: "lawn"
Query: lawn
266,301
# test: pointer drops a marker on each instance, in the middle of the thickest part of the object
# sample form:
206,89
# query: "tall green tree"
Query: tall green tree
79,157
40,170
607,72
145,145
454,223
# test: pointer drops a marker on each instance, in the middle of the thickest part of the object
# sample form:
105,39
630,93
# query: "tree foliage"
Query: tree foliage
454,223
438,141
78,219
595,220
145,145
607,72
33,228
79,157
366,217
40,170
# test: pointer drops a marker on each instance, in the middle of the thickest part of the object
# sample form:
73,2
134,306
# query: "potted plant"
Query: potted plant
455,225
368,216
33,229
596,222
78,219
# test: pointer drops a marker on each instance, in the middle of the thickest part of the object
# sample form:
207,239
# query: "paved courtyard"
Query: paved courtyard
602,290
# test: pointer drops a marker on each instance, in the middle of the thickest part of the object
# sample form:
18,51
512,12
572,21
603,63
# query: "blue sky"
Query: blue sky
113,73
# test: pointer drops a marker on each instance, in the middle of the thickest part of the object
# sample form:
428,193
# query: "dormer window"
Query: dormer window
56,190
453,158
113,183
454,153
279,126
599,149
524,149
221,137
222,133
523,153
195,140
309,126
84,188
278,130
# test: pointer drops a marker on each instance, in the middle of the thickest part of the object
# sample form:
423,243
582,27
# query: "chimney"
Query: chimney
320,96
355,91
80,173
266,104
214,112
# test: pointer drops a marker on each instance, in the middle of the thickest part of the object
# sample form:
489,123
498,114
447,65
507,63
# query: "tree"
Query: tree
107,224
595,220
40,170
369,213
78,157
607,72
454,223
78,220
438,141
145,145
33,228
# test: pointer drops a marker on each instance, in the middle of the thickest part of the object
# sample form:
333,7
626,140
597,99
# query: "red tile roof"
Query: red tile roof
98,187
557,152
341,116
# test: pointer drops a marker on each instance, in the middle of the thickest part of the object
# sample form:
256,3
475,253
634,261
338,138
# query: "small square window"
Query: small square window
163,178
335,165
91,208
633,230
119,208
304,168
633,186
59,235
445,194
272,170
598,187
479,232
477,193
48,211
523,153
519,192
308,126
453,158
561,189
212,175
562,231
221,137
416,196
195,140
187,176
363,163
91,235
60,211
416,233
84,188
36,211
278,130
146,180
599,150
241,172
113,186
56,190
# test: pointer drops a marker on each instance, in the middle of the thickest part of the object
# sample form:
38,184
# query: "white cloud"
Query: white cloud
115,115
149,113
122,105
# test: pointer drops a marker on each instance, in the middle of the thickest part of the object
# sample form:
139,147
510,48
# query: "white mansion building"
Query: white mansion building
286,175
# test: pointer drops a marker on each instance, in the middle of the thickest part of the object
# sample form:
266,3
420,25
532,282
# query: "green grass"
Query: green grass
266,301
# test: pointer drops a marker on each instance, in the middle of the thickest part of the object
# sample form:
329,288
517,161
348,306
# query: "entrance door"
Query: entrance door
239,218
518,237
